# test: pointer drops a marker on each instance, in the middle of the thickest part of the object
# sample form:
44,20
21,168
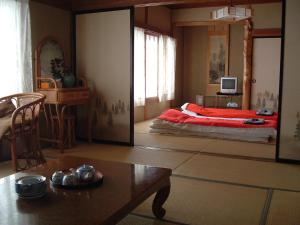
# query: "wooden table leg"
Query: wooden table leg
160,198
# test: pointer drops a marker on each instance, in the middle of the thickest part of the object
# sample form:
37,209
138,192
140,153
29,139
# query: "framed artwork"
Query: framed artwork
217,56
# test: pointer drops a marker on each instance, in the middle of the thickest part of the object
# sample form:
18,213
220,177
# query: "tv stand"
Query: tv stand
229,94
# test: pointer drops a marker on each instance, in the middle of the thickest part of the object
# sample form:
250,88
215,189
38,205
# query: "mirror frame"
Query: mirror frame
37,67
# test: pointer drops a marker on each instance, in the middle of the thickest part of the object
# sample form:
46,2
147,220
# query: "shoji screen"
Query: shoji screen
265,73
289,140
104,57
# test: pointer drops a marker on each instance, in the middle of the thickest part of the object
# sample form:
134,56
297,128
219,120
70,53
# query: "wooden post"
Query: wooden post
247,64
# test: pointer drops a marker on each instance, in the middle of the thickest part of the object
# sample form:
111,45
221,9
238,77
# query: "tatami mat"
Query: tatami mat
138,220
171,142
142,127
284,209
241,148
205,203
166,159
248,172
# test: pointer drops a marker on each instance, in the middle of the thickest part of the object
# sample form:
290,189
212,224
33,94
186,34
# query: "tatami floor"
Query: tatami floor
207,187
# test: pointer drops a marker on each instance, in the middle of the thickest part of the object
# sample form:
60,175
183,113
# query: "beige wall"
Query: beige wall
50,21
158,17
236,59
195,62
267,15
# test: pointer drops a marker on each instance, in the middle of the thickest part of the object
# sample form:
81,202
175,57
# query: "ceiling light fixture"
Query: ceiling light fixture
231,13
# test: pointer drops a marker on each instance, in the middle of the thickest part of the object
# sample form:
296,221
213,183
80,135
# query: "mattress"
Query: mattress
225,113
179,123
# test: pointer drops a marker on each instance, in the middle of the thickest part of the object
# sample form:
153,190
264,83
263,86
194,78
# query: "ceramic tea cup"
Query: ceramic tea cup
69,180
57,177
31,185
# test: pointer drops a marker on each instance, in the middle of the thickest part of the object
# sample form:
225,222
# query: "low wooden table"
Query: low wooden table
125,186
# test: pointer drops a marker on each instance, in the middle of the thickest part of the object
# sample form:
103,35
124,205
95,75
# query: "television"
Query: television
229,85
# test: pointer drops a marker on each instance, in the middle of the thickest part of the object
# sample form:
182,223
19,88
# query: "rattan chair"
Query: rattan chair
24,129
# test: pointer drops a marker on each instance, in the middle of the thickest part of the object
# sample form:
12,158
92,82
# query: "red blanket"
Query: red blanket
227,113
176,116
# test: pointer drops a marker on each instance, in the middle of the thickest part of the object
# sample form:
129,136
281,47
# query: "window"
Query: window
15,45
154,66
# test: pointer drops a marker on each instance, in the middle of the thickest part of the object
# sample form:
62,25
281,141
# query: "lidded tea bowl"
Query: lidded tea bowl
86,173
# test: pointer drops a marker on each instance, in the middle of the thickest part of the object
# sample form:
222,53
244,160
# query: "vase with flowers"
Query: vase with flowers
62,74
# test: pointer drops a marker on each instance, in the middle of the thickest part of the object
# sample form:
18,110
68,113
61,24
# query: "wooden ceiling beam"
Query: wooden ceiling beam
77,5
221,3
102,4
62,4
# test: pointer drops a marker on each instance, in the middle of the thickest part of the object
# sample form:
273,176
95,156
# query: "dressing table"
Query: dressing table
59,115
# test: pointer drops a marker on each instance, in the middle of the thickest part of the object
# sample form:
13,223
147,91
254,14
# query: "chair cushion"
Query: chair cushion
6,108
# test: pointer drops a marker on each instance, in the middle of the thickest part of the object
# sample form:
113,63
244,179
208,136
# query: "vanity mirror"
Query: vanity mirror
52,76
49,63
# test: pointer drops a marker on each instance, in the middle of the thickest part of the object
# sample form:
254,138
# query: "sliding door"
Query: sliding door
265,73
104,43
288,146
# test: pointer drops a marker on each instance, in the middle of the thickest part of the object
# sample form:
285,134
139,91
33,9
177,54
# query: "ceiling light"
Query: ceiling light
231,13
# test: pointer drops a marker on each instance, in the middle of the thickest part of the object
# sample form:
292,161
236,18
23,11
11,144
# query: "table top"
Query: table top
124,187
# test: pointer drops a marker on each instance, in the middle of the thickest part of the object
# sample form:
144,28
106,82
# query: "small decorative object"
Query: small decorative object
254,121
45,85
68,79
57,177
57,68
31,187
83,176
62,74
86,173
264,112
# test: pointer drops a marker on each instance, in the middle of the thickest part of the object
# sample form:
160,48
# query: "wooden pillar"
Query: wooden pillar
247,77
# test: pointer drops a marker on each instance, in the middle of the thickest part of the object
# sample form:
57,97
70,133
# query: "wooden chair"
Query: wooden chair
25,127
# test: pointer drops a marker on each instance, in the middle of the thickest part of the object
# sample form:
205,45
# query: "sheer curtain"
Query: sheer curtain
139,66
152,66
166,74
154,75
15,47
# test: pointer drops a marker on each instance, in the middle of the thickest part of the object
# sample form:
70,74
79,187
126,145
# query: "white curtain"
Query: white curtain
139,67
156,77
152,66
15,47
166,74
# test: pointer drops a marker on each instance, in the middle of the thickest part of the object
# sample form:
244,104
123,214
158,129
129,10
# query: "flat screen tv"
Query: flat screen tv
228,85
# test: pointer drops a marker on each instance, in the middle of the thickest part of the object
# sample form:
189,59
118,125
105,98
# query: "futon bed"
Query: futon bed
195,120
